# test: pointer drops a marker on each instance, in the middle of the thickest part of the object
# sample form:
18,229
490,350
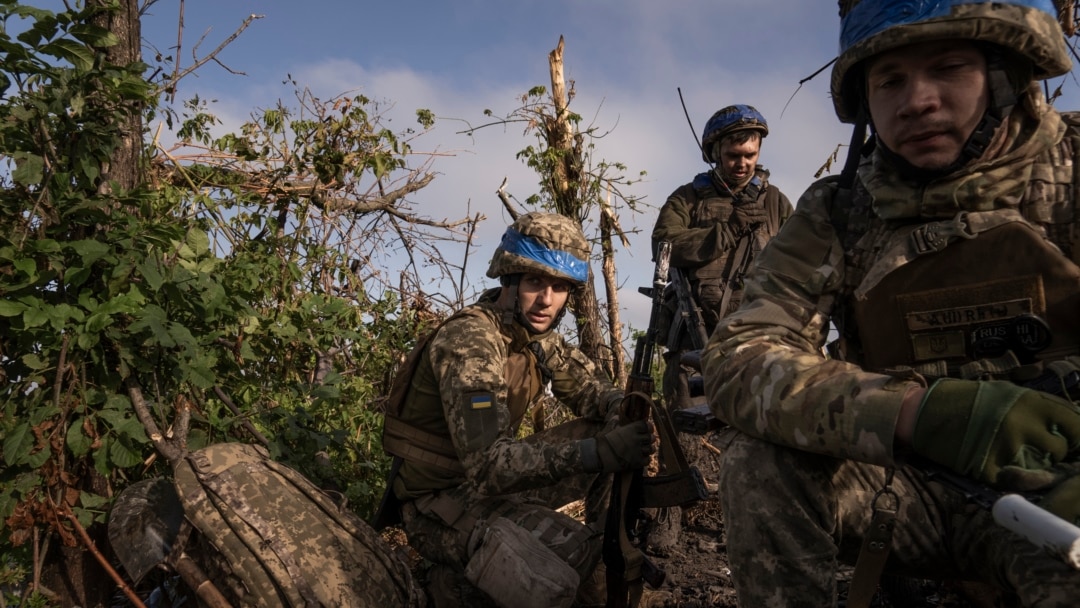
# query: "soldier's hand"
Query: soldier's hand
623,448
1063,500
978,428
748,216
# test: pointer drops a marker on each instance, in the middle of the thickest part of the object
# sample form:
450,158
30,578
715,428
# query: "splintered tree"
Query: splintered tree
574,183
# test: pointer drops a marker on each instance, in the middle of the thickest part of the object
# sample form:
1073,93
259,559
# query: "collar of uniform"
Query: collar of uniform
703,181
995,181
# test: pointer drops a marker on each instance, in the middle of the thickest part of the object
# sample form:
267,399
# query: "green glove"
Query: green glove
976,428
623,448
1064,500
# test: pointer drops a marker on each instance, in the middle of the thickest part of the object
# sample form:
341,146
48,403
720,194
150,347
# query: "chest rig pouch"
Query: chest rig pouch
982,295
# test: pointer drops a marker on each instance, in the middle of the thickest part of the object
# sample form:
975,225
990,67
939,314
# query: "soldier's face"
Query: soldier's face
541,298
737,161
926,99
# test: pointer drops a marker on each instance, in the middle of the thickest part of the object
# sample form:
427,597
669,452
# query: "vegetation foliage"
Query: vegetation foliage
255,285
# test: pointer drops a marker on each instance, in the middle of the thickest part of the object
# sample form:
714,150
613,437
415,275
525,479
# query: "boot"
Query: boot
664,531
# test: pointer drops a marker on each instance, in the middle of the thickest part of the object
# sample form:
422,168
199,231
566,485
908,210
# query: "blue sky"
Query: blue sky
457,58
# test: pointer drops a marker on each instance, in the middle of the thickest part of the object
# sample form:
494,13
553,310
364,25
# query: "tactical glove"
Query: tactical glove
1063,500
623,448
977,428
748,216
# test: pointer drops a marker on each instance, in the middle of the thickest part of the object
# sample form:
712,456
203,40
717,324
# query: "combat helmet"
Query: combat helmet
1028,28
725,121
543,243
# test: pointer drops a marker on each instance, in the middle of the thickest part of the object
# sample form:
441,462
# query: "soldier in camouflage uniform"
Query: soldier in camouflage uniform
947,261
468,482
716,225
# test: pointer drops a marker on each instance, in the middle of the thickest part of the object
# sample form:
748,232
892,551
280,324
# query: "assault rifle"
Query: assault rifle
627,566
687,316
1011,511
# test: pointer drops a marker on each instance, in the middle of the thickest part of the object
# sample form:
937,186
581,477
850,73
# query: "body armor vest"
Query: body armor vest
992,294
433,447
709,208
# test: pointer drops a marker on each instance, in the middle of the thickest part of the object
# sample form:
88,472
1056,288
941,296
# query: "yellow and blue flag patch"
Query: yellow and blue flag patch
482,401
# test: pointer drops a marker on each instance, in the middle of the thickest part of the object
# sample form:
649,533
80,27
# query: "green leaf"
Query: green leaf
101,456
38,459
198,240
98,321
81,57
34,317
33,361
18,444
123,456
93,35
89,250
149,271
74,277
9,308
29,169
132,429
77,441
201,375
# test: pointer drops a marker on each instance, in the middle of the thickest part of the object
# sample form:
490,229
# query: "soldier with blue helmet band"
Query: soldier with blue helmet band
716,225
477,499
945,257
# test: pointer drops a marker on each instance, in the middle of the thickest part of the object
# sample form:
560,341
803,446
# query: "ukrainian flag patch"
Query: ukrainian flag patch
482,401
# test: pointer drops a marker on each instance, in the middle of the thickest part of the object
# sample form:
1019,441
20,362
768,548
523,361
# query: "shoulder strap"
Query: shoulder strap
401,439
772,210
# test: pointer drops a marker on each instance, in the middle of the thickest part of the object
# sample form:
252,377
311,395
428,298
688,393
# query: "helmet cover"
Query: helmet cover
548,244
1029,28
725,121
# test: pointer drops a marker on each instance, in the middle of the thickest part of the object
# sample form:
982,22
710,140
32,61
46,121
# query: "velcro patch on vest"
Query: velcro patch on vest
481,420
481,402
981,320
1006,293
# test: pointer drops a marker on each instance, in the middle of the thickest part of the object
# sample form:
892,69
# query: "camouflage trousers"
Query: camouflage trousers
439,526
791,516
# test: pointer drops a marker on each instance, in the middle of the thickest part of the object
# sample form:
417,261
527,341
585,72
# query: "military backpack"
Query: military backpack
269,537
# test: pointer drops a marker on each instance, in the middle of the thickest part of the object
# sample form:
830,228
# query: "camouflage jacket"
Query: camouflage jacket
765,369
460,391
695,219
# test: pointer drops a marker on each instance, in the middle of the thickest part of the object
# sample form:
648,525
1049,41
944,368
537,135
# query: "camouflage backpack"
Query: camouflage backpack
270,537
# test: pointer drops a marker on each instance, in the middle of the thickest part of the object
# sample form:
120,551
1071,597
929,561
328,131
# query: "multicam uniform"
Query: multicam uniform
816,434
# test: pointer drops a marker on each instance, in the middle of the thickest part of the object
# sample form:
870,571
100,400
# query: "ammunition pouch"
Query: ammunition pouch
515,569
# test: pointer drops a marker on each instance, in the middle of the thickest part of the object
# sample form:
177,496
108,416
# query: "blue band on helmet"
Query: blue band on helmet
560,261
739,114
870,17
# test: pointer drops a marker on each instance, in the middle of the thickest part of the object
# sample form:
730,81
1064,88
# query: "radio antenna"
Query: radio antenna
693,131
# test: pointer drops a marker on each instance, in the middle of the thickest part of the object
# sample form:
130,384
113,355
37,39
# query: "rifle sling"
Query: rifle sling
623,559
742,258
877,542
